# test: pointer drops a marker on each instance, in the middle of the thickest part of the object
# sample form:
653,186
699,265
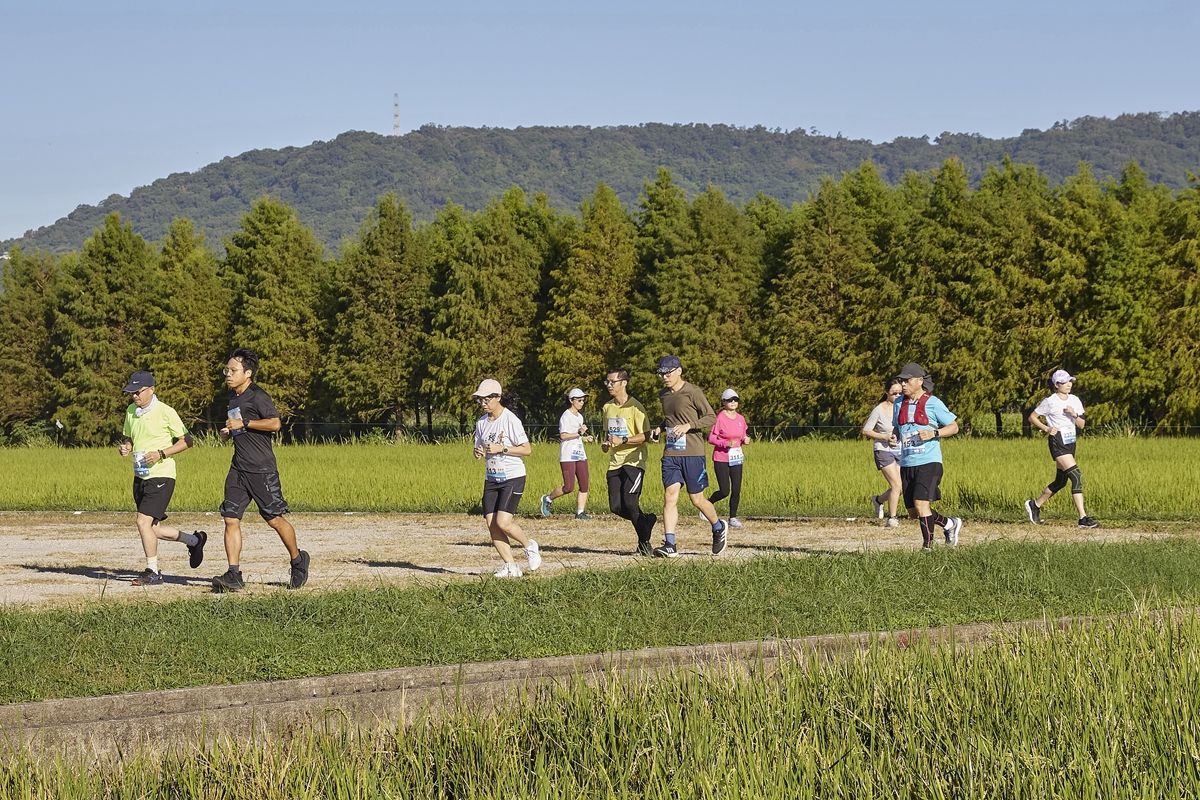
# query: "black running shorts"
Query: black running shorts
1057,448
152,496
504,496
921,483
263,487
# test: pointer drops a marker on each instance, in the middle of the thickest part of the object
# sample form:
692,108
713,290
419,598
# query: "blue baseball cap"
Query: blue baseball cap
138,381
668,364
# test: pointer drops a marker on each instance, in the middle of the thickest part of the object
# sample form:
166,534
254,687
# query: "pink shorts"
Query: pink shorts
572,470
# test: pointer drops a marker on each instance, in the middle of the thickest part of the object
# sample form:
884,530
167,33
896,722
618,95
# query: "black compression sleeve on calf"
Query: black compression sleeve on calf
926,529
1076,478
1060,480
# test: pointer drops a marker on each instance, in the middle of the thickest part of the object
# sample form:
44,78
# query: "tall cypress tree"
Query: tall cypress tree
1181,332
374,355
590,295
186,353
26,313
107,309
274,264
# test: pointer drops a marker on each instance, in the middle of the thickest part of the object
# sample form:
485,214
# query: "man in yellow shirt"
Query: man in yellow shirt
153,433
625,443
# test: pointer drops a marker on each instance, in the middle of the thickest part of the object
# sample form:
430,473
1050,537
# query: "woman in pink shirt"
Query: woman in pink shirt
728,436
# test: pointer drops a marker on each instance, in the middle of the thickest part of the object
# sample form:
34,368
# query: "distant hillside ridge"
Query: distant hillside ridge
333,185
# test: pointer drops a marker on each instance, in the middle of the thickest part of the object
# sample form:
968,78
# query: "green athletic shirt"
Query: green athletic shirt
625,420
156,429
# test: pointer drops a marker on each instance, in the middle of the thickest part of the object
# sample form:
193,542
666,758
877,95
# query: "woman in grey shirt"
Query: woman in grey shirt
887,454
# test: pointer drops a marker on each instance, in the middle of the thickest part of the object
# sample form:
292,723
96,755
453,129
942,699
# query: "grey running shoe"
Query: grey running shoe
545,505
196,551
720,540
1088,522
582,515
148,578
665,550
877,506
892,522
229,581
953,528
299,570
1033,512
734,522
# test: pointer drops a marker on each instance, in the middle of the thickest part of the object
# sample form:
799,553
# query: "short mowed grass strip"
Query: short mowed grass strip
1103,711
124,647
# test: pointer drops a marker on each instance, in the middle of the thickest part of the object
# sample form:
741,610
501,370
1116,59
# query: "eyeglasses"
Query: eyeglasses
227,371
578,399
663,374
487,397
611,383
136,392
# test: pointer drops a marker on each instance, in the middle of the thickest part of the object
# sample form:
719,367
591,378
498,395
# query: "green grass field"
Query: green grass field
1125,478
115,647
1096,712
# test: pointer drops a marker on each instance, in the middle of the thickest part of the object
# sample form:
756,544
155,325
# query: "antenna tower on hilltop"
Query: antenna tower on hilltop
396,114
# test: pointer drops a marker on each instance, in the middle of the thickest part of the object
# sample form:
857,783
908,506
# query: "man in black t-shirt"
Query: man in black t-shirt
252,421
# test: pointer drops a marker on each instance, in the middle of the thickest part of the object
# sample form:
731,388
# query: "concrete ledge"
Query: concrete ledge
120,724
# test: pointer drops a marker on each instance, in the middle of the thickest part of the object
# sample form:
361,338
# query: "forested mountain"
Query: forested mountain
334,185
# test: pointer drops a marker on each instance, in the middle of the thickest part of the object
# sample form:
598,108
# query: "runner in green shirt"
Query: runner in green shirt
153,433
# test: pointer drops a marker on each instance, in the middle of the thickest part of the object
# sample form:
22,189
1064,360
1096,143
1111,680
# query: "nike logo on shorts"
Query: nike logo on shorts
159,485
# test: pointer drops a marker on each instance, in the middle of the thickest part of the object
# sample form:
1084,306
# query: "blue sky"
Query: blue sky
99,98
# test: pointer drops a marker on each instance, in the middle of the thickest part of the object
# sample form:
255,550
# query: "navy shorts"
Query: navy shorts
922,482
691,471
262,487
152,496
503,496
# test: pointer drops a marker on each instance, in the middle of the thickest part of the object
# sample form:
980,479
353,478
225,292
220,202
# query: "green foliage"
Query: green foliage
106,314
26,312
275,268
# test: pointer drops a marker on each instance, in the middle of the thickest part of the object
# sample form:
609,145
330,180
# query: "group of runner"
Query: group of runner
153,435
907,427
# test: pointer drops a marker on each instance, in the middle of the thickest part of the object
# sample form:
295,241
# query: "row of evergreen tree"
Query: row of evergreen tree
804,309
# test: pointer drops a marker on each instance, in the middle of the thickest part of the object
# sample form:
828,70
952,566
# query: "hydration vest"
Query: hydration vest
919,416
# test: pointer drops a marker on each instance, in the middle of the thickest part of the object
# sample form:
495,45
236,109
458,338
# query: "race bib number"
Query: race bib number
676,444
1067,434
495,471
579,454
736,456
617,426
913,445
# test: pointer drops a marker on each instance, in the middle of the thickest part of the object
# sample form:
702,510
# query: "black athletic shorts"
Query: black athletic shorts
921,483
504,496
263,487
152,496
1057,448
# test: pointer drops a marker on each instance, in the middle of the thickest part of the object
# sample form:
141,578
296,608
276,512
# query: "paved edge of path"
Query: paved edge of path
119,725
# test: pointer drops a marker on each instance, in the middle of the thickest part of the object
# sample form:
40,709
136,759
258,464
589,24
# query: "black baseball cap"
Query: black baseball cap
139,380
912,370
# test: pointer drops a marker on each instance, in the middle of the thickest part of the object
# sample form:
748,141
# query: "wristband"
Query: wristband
624,440
937,433
162,456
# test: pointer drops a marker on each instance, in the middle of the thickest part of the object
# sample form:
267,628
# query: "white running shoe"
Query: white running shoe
534,555
953,528
734,522
509,571
892,522
877,506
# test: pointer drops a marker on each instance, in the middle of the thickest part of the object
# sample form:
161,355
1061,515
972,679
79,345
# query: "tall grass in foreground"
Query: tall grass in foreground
114,647
1108,711
1125,478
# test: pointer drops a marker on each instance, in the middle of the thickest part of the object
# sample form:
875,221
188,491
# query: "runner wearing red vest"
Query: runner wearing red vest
920,421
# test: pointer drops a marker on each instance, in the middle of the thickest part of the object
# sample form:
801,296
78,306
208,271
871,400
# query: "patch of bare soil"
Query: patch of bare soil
55,559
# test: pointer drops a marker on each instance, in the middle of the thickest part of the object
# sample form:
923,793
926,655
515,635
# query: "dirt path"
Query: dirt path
75,559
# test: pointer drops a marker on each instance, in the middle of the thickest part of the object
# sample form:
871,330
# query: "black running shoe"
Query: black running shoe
1088,522
196,551
645,526
644,549
719,540
299,570
1033,512
229,581
665,550
148,578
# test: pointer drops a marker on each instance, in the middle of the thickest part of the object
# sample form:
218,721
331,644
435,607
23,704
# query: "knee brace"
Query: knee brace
1076,478
1060,480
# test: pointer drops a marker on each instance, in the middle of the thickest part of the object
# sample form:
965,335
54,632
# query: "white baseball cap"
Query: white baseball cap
576,392
487,387
729,394
1061,376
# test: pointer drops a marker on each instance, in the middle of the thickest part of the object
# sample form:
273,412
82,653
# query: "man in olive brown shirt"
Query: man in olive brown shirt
686,413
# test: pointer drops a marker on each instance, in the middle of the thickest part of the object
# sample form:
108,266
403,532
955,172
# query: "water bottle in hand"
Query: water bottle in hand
236,413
